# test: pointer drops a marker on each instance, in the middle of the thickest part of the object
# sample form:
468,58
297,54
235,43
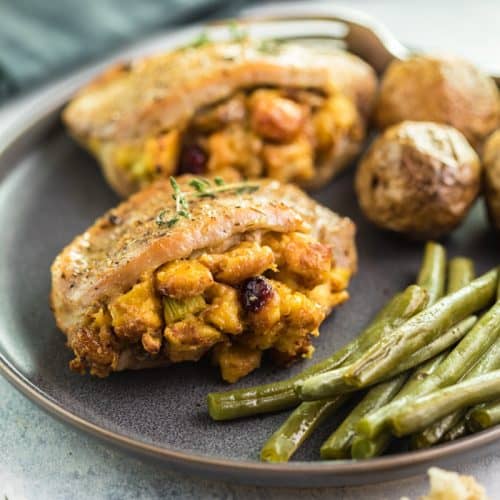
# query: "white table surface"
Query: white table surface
41,458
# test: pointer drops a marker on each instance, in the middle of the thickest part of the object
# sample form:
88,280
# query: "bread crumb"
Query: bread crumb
448,485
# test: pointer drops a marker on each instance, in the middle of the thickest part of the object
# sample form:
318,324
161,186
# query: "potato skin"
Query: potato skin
491,161
418,178
440,89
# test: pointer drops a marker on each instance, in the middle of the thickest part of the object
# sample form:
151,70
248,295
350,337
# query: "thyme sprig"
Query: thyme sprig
181,207
203,188
200,41
181,203
269,46
236,32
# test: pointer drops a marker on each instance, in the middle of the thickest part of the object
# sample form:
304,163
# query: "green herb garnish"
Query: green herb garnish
203,188
236,32
269,46
181,203
162,222
181,207
199,184
201,40
248,189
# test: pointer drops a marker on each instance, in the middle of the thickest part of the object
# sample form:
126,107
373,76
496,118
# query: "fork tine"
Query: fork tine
283,29
366,37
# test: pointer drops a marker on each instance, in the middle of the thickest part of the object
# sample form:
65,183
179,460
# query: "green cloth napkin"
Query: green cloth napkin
40,39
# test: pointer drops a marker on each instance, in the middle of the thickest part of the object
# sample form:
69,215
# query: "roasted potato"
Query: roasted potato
491,159
439,89
418,178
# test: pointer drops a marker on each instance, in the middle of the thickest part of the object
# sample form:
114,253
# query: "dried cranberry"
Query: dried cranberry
114,220
193,160
255,293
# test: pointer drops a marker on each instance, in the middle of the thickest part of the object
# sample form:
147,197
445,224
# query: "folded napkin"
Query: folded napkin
42,39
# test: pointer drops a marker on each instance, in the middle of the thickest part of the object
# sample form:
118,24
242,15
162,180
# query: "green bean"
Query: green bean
433,434
365,447
281,395
484,416
437,430
423,328
297,428
227,408
460,273
426,409
336,384
461,359
433,270
338,444
420,375
332,383
441,344
456,432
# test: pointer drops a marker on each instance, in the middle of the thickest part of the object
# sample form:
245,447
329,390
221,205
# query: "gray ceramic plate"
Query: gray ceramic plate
50,190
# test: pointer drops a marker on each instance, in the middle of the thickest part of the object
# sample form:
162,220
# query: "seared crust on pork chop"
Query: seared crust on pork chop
158,92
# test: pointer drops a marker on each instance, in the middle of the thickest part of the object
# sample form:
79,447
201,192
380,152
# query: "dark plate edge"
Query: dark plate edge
297,474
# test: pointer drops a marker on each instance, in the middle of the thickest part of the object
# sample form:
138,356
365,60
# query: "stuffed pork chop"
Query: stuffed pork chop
191,267
291,113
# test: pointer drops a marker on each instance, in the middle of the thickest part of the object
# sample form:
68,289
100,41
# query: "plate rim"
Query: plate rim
232,469
44,108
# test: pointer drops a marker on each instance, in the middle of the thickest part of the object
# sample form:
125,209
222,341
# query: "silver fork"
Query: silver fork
350,29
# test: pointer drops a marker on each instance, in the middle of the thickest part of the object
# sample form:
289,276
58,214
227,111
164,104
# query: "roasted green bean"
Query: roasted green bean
426,409
338,445
460,273
424,327
457,431
435,432
441,344
332,383
484,416
432,278
432,274
461,359
297,428
365,447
